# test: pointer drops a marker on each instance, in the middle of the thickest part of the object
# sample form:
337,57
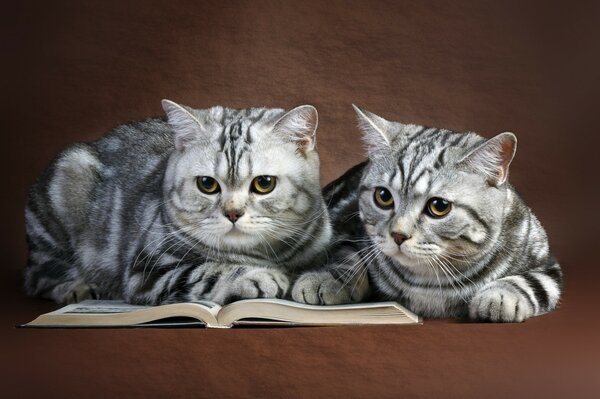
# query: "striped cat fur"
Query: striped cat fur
217,204
431,221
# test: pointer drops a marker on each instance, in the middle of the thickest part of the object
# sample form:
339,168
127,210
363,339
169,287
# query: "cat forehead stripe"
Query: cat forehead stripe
236,139
421,185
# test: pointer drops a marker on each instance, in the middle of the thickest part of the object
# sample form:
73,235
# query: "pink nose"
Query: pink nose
399,238
233,216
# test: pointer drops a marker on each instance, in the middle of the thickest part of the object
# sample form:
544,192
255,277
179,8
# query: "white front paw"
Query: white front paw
321,288
500,302
259,283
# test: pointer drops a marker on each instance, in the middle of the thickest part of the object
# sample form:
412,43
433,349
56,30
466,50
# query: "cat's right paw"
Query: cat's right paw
258,283
321,288
500,302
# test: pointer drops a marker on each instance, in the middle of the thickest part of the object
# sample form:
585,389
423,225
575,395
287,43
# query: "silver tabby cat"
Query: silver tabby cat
216,204
432,221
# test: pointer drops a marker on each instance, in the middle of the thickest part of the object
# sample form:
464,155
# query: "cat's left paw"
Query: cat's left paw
321,288
500,302
259,283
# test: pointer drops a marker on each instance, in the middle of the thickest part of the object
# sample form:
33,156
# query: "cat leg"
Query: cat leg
337,283
58,281
517,298
212,281
56,212
76,291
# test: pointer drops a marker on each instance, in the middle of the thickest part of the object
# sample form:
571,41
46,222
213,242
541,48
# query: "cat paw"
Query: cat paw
259,283
81,292
500,303
321,288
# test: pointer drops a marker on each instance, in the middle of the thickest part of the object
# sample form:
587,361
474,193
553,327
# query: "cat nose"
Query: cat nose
234,215
399,238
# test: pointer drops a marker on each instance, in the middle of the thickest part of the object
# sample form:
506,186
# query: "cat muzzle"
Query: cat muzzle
399,238
234,215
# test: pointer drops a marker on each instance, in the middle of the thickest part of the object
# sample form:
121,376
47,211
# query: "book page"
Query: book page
118,313
280,310
99,307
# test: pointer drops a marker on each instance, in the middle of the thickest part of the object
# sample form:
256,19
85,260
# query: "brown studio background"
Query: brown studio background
72,70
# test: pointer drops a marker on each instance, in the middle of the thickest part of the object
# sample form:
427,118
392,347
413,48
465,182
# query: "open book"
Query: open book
98,313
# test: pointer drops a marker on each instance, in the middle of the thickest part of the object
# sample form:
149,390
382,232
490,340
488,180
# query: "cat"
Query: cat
214,204
431,221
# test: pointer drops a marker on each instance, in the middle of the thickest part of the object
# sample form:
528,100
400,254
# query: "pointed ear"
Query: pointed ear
375,131
299,125
493,158
186,126
381,135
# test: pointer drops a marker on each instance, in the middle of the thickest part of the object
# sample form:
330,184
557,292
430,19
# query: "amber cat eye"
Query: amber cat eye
383,198
263,184
438,207
208,185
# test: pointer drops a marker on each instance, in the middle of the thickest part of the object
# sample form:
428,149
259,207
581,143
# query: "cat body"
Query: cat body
217,204
433,223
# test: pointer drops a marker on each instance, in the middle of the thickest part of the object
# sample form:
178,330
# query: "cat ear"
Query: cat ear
299,124
186,126
493,158
375,130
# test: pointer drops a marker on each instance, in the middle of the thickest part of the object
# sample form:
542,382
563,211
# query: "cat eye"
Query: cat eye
383,198
208,185
438,207
263,184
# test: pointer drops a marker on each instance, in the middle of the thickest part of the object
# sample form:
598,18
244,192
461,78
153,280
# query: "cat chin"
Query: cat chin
411,261
238,238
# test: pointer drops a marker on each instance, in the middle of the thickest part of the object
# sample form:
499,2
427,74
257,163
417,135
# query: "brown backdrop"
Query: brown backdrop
71,70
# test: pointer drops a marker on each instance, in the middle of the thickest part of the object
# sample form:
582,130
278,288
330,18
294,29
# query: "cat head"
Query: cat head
432,197
238,178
